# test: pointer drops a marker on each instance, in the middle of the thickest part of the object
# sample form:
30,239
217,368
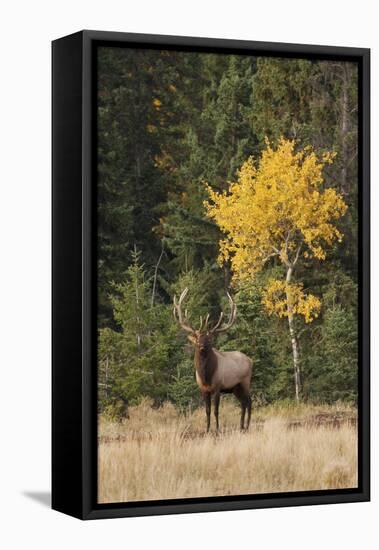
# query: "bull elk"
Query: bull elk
217,372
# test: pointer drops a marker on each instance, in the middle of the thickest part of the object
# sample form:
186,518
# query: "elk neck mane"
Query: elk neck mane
205,364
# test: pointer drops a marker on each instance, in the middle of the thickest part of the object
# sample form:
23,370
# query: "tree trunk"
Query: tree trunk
294,342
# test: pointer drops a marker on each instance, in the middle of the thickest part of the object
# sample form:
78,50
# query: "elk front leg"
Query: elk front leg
239,393
207,399
217,404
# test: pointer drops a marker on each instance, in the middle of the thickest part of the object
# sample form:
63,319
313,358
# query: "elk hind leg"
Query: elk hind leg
245,387
249,404
239,393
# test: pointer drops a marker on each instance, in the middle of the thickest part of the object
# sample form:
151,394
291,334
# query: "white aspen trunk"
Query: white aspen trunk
294,342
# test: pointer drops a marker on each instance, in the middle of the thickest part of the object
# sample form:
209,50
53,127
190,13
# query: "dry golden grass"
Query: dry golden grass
159,454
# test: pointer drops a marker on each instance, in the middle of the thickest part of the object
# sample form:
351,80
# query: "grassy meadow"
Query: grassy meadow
162,454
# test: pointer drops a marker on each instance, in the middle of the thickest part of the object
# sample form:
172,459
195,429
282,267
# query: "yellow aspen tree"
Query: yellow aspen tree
279,207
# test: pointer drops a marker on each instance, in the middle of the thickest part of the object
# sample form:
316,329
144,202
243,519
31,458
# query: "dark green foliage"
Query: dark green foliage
183,390
282,98
138,360
334,375
331,365
167,123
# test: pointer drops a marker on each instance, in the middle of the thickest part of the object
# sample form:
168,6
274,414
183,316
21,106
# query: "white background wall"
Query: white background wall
26,31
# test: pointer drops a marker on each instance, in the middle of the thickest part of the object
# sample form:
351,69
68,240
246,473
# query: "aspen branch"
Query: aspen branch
265,258
297,255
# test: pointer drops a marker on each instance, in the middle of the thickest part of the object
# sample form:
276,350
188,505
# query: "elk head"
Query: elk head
202,337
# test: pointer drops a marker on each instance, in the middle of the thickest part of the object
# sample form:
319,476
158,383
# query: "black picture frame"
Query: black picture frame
74,435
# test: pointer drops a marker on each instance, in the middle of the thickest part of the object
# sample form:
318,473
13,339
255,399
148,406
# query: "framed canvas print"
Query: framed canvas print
210,275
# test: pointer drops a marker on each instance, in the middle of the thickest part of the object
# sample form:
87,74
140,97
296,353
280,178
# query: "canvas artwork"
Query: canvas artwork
227,274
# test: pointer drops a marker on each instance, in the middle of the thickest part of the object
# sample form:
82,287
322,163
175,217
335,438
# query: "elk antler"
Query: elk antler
232,317
183,319
183,322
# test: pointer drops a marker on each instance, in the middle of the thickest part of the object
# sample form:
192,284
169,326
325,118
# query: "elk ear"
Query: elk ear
192,338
